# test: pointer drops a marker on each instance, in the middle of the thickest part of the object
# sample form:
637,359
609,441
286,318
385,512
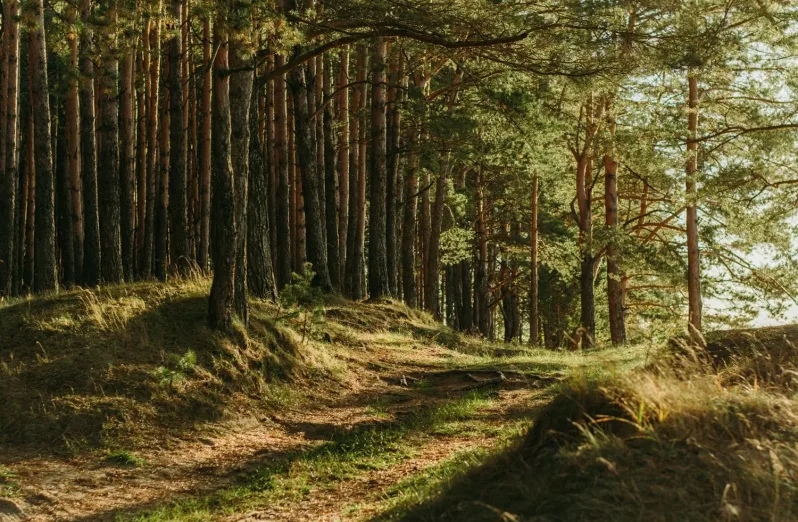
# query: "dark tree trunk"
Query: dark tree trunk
161,221
241,84
10,137
73,149
205,152
393,177
378,249
260,273
343,161
127,166
534,312
46,271
153,82
281,163
64,205
178,226
353,281
409,228
693,252
467,312
481,305
431,302
330,179
312,183
614,274
220,306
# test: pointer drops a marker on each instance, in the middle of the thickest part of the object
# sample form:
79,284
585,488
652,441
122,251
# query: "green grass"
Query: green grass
124,458
346,456
9,487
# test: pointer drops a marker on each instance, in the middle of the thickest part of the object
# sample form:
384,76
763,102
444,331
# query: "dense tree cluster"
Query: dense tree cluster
572,169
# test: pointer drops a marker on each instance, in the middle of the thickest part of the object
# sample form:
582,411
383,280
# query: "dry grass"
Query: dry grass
709,432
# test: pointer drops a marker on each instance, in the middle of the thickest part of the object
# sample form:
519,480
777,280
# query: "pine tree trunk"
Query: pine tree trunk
378,249
260,272
63,204
410,201
693,252
393,176
281,163
433,261
241,84
270,157
153,82
46,271
343,160
353,283
141,164
10,138
481,305
312,182
178,225
221,302
205,152
330,178
534,311
73,151
127,166
614,274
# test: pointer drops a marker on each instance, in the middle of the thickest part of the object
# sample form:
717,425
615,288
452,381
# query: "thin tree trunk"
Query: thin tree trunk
534,301
205,152
431,303
353,284
481,305
141,165
153,82
393,176
63,203
614,273
220,305
10,137
343,160
73,150
410,201
161,220
693,253
330,179
281,162
128,165
46,278
178,225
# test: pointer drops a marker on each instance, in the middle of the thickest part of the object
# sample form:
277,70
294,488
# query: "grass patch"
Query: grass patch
346,456
124,458
9,487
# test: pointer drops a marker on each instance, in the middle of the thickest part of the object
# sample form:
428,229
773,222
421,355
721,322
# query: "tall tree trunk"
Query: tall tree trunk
178,225
614,273
161,221
205,151
153,81
220,305
378,249
260,272
693,253
46,271
10,137
141,164
269,157
312,183
343,159
281,163
73,150
127,165
353,283
241,84
393,177
534,302
63,203
330,178
431,303
410,201
481,290
424,233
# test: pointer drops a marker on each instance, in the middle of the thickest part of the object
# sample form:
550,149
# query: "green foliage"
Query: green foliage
124,458
303,300
178,366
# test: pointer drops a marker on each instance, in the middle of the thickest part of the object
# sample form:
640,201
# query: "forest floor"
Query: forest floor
105,422
120,404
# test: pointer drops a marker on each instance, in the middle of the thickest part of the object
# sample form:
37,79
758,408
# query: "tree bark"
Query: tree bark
127,165
693,252
281,162
205,152
63,204
241,84
481,305
46,271
353,282
393,177
73,149
178,225
614,273
410,201
343,160
312,183
10,138
330,178
534,301
431,302
220,305
378,249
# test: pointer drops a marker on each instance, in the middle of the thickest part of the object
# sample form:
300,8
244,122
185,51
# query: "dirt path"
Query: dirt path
88,488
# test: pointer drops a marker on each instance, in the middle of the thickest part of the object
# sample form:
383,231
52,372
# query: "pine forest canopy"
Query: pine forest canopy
579,170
